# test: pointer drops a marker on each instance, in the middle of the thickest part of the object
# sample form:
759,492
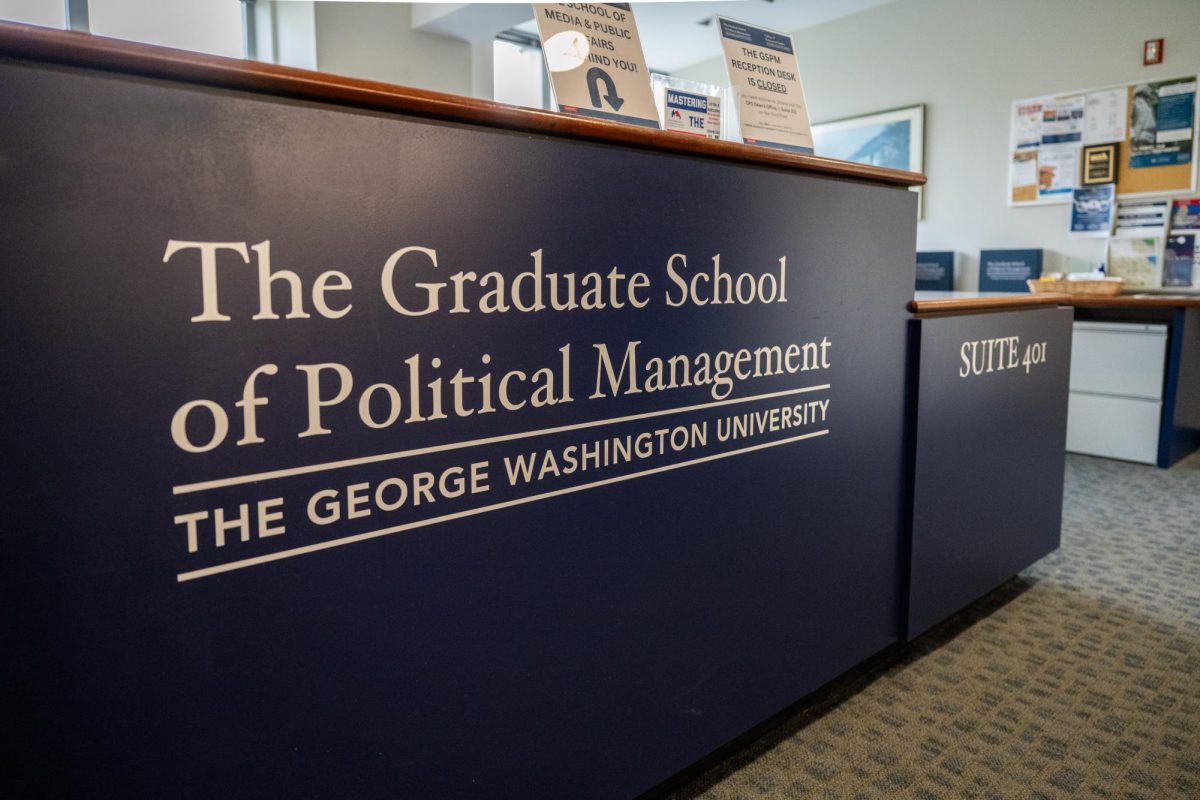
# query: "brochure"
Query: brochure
1179,261
1146,217
1185,214
692,114
1092,210
1135,259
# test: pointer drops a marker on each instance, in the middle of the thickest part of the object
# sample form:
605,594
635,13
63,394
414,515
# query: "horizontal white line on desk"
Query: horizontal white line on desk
359,537
188,488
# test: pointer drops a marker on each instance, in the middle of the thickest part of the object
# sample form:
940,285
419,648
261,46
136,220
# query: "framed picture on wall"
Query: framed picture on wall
1099,164
893,139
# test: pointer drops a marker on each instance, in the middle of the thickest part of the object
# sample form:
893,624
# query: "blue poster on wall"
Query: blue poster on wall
1161,121
1007,270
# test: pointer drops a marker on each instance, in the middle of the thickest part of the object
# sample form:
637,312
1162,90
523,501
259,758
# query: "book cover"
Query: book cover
1007,270
935,271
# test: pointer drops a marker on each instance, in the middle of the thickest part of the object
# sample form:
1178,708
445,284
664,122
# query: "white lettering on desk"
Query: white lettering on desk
982,356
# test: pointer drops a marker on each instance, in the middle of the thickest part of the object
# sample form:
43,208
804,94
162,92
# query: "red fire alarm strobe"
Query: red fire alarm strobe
1152,52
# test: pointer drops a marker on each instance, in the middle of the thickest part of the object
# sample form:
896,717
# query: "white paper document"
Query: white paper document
1027,125
1062,120
765,78
1057,168
1104,116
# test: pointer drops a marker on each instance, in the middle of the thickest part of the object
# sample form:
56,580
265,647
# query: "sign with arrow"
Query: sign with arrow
595,61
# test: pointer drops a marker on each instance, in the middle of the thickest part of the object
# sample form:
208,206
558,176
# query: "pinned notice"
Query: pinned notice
766,80
595,61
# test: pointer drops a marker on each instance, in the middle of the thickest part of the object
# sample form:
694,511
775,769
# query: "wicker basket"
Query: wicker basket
1095,288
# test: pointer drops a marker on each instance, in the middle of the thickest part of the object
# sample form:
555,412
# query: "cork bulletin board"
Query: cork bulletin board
1153,124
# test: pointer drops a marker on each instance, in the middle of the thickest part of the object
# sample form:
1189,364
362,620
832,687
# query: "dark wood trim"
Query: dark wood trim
1127,301
95,52
959,304
1015,301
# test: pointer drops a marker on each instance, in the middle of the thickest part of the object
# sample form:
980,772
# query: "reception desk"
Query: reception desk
1135,377
1002,384
370,442
990,377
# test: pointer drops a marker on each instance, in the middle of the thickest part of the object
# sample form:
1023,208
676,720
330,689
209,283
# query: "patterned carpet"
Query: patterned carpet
1078,679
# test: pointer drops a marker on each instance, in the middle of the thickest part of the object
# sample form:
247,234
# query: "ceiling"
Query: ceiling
672,34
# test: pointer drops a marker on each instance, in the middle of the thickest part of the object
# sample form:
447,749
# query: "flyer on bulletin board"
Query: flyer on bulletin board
1027,125
1104,116
1057,170
1024,176
1161,120
1062,120
1046,138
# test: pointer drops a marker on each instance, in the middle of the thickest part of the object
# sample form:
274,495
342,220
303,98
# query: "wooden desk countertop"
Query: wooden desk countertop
1138,301
962,302
965,302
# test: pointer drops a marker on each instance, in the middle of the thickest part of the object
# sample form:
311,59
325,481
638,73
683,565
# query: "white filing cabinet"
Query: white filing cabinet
1116,395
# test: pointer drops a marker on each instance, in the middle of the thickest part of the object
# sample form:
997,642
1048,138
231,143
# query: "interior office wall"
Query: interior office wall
377,41
204,26
967,61
285,32
48,13
364,40
214,27
483,68
518,79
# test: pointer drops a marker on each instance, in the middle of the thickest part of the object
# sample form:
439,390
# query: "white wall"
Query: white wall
50,13
356,39
376,41
518,75
967,60
483,68
206,26
285,32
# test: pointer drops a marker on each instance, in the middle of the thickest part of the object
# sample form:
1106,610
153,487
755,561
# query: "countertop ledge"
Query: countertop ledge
958,302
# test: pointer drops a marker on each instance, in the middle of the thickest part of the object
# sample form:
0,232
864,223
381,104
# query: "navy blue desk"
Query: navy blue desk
238,560
990,429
